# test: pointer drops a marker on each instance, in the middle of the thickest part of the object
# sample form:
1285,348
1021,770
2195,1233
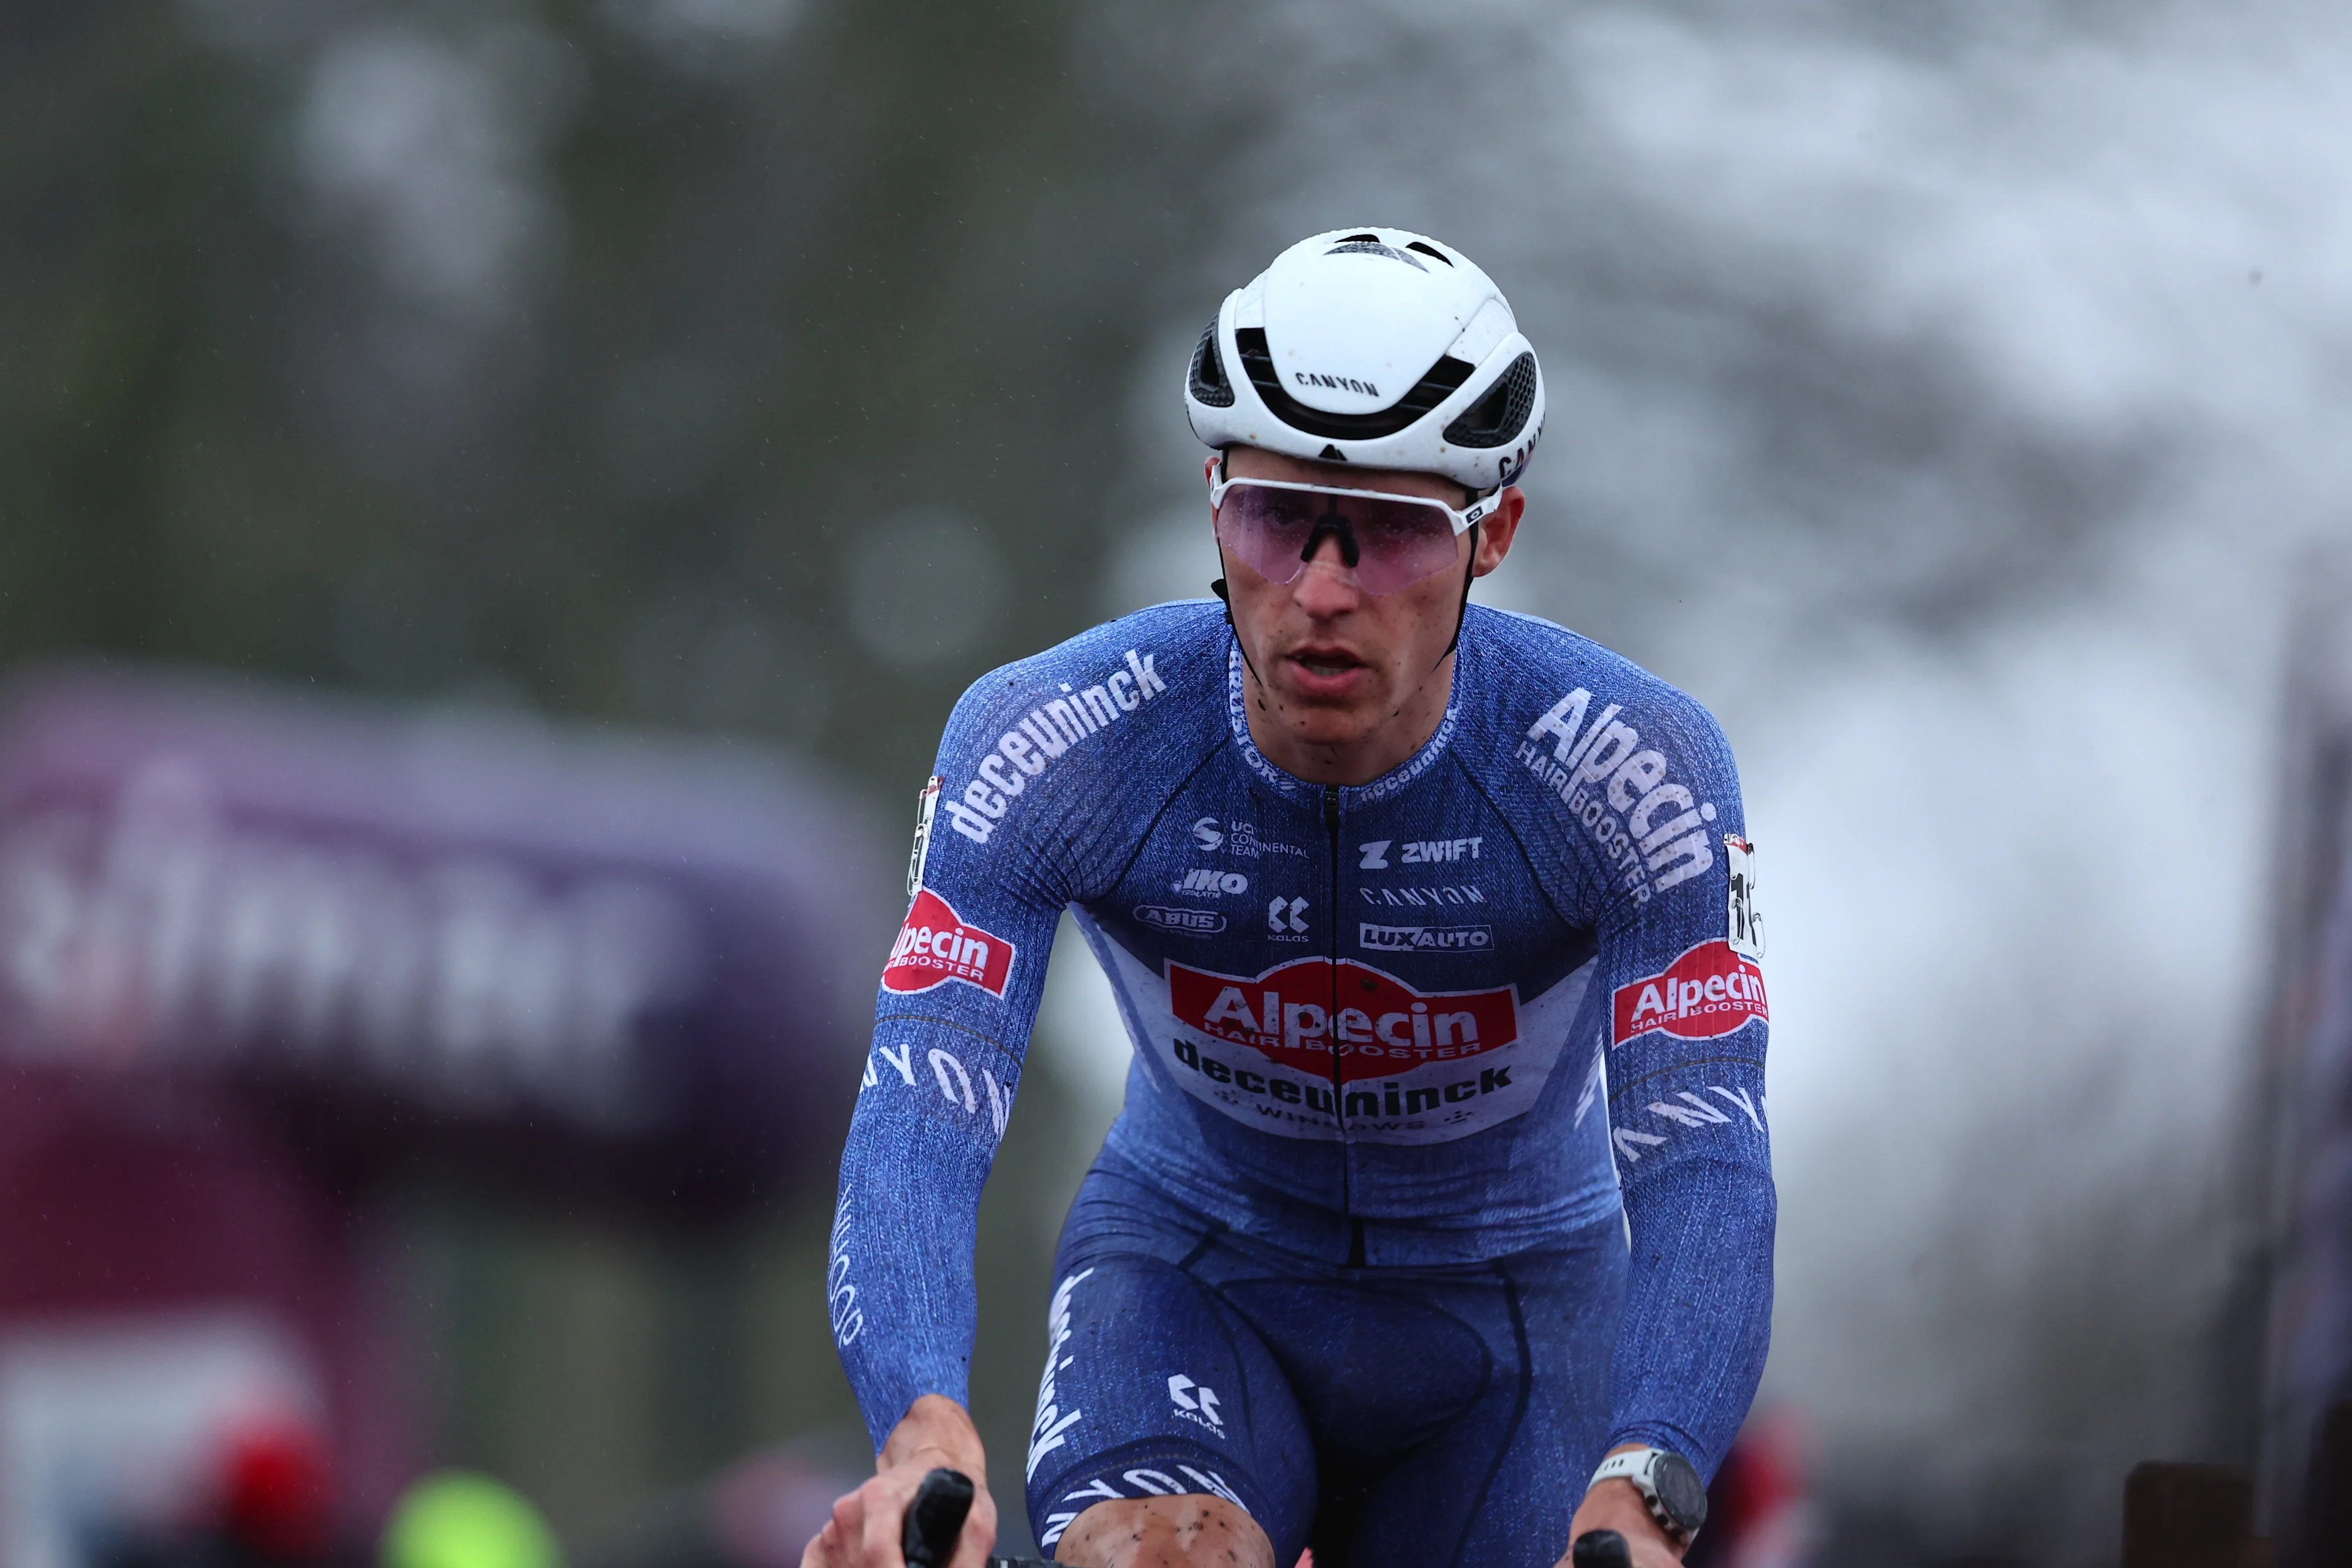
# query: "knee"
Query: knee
1165,1533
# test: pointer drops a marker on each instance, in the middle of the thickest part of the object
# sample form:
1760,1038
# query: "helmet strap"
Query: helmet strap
1227,594
1462,610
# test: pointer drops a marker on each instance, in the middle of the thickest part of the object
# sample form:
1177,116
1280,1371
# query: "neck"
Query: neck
1286,736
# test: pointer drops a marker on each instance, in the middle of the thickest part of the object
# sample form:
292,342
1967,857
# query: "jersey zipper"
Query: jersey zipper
1332,1014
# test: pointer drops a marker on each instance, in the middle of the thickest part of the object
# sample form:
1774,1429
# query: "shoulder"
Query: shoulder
1128,665
1142,685
1539,680
1633,775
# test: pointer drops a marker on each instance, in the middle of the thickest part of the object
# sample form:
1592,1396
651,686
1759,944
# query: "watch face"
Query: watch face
1680,1491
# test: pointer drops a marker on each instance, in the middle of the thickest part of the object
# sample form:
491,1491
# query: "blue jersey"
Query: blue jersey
1450,1015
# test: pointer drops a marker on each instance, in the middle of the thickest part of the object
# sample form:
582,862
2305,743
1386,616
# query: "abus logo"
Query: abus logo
1383,1024
1186,922
1424,939
1708,991
936,946
1211,883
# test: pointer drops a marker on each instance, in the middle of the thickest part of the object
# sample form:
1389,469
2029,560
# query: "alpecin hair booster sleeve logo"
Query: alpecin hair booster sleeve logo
936,945
1708,991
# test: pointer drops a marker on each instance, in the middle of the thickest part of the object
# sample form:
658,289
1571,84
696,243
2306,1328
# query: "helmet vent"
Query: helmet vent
1497,419
1361,239
1428,249
1366,244
1443,377
1210,386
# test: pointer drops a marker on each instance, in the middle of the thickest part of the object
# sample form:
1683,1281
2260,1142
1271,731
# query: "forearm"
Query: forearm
1698,1308
899,1277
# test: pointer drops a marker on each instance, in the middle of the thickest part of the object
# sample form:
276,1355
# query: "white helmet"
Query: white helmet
1375,346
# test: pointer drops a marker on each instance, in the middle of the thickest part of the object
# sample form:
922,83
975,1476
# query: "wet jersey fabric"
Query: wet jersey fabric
1446,1018
1419,1416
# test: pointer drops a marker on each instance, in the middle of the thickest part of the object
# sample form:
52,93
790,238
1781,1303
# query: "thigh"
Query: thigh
1154,1387
1498,1486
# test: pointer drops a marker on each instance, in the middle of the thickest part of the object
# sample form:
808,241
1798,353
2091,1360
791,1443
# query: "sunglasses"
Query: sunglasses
1387,542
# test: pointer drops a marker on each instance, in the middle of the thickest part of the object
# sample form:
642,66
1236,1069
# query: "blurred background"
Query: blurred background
498,499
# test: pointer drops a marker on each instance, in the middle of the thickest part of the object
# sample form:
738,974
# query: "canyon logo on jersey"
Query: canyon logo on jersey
1708,991
936,945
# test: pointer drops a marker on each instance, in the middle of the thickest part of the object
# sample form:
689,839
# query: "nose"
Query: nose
1328,586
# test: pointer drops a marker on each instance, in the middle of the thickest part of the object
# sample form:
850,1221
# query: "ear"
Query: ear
1496,535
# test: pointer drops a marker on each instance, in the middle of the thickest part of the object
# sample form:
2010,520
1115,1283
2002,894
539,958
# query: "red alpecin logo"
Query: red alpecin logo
936,946
1383,1026
1708,991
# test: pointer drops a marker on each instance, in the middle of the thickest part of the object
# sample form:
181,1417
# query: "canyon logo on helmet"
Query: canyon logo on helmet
1373,346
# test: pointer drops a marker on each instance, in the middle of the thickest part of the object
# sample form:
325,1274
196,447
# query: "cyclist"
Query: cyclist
1437,1226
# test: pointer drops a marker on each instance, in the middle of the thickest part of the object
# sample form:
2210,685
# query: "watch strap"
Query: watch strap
1637,1464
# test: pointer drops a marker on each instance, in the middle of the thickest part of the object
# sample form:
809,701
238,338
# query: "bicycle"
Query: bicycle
936,1518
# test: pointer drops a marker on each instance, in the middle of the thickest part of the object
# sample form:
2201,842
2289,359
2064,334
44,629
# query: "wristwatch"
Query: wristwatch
1668,1483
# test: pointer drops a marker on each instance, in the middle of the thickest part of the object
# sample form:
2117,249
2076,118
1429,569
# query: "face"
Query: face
1338,669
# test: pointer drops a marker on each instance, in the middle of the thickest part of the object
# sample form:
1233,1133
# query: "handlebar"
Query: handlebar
935,1520
1601,1549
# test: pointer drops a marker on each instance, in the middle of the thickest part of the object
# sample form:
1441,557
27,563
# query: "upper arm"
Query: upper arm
1671,897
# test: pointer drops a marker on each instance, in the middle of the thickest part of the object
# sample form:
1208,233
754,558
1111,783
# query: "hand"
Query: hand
864,1529
1617,1504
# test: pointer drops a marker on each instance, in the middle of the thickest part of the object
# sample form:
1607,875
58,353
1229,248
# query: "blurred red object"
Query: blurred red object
1758,1512
278,1490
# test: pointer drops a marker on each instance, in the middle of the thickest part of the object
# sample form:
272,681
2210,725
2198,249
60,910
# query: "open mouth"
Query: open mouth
1328,663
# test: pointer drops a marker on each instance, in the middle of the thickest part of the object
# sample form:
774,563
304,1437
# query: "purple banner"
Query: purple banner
579,955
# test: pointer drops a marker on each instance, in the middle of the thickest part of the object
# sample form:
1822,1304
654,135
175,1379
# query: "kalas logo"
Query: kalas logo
936,946
1383,1024
1708,991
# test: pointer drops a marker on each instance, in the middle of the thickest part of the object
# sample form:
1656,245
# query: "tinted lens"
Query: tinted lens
1397,542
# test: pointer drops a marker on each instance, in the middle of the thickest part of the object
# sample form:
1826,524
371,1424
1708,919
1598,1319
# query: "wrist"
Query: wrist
1666,1486
939,1431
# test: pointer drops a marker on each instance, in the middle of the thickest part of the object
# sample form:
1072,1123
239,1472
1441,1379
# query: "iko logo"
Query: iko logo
1184,922
1195,1402
1211,883
1206,834
1424,939
1283,914
1375,856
